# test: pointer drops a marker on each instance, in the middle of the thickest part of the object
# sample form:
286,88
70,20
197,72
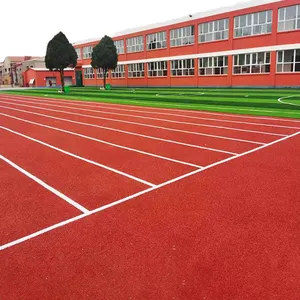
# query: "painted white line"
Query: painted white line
108,104
156,119
43,102
129,132
45,230
288,97
137,123
80,157
45,185
102,141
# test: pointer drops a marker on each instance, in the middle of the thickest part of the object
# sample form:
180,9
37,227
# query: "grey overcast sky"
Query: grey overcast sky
27,26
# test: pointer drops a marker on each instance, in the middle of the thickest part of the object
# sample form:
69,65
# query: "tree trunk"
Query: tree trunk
62,80
104,78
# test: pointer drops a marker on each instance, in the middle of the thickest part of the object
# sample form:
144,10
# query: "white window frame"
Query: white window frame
87,52
118,72
283,21
183,67
78,51
183,36
136,70
252,21
99,73
157,40
158,69
210,31
120,46
135,44
295,63
89,73
251,63
213,66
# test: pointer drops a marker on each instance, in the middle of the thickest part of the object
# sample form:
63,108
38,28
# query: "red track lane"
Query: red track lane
152,110
26,206
144,117
142,166
114,123
180,152
230,232
86,184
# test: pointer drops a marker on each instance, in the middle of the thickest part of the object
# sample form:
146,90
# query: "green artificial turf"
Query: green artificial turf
240,101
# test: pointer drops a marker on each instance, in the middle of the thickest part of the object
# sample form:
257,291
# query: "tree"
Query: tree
105,56
60,55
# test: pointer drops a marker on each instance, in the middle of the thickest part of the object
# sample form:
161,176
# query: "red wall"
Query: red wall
40,76
272,39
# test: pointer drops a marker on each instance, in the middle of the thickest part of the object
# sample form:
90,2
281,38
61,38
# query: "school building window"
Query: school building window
135,44
182,36
118,72
157,40
100,73
217,65
89,73
120,46
289,18
182,67
87,52
213,31
136,70
158,69
78,51
288,61
253,24
252,63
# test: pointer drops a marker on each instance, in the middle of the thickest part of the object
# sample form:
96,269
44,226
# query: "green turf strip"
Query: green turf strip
244,101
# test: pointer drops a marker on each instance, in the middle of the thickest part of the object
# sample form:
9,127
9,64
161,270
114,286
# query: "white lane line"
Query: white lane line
140,124
45,185
43,102
129,132
158,119
287,103
45,230
103,142
107,104
80,157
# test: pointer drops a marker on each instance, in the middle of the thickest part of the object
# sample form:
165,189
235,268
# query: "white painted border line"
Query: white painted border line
45,230
102,141
80,157
137,134
225,114
43,102
155,119
45,185
288,97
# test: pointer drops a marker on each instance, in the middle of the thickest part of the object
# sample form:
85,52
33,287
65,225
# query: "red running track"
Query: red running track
229,232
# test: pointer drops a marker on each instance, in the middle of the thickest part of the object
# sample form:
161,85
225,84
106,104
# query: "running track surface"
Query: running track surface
104,201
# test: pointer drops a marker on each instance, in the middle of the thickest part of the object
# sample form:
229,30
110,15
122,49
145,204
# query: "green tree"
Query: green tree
60,55
105,56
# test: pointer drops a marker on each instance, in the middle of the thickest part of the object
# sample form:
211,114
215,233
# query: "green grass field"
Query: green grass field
240,101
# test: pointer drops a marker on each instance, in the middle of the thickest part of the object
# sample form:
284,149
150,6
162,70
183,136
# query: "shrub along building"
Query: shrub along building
250,44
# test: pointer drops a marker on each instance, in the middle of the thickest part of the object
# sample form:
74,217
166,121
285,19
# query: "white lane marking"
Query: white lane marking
45,230
102,141
158,119
43,102
169,109
129,132
45,185
288,97
80,157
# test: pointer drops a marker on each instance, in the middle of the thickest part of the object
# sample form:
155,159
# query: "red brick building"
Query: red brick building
251,44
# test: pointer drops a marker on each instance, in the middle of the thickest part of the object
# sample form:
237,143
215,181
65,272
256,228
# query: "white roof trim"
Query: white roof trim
210,54
213,12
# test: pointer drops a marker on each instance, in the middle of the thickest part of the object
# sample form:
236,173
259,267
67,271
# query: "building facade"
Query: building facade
251,44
